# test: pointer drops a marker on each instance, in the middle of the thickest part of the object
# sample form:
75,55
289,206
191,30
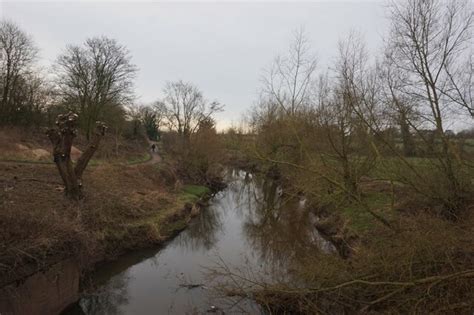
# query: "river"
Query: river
247,229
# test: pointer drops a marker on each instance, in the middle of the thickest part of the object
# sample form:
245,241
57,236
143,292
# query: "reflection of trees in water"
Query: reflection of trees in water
276,232
243,193
112,281
109,298
278,229
202,233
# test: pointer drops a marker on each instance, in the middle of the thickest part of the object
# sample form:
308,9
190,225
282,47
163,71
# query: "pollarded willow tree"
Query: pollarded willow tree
62,139
94,79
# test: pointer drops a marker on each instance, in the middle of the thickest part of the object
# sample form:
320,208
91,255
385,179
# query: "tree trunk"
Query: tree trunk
350,183
62,139
6,90
407,139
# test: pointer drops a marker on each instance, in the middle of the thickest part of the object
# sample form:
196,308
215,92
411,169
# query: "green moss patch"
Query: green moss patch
196,190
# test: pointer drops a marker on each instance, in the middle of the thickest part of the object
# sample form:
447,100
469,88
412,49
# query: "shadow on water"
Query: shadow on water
247,226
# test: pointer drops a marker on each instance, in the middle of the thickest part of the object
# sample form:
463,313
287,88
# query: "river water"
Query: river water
248,229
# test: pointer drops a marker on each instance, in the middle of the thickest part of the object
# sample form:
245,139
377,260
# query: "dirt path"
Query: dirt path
155,156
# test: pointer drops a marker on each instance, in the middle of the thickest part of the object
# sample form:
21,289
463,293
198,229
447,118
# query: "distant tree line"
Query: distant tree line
90,89
393,111
95,80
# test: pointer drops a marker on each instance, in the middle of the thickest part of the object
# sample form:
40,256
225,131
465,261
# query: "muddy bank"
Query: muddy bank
58,285
45,292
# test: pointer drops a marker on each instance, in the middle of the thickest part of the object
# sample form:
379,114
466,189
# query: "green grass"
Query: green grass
388,167
140,159
361,220
196,190
92,162
470,142
25,161
191,193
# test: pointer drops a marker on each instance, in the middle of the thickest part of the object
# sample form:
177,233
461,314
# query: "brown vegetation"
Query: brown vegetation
367,145
125,207
32,145
424,268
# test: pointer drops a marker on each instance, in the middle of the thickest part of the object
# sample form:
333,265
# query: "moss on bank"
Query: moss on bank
194,192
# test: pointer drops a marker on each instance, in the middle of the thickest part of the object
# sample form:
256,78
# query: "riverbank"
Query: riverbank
126,207
178,278
420,263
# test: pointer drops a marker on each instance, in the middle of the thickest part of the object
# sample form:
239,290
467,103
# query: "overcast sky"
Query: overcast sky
221,47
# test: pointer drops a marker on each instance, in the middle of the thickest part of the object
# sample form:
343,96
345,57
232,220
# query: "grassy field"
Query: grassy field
360,220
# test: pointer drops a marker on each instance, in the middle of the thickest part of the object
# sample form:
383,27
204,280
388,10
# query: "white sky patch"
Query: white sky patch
222,47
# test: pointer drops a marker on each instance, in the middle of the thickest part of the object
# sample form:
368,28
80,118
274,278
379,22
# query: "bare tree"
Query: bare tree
62,139
339,107
95,77
400,107
430,43
289,79
185,107
17,55
151,117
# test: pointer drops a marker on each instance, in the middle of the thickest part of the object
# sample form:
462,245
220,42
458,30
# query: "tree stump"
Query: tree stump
62,138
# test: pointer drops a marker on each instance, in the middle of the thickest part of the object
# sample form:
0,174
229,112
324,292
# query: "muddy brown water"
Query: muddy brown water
247,229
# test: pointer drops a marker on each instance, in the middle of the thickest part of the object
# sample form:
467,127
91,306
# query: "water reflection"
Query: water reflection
278,228
109,298
202,233
247,226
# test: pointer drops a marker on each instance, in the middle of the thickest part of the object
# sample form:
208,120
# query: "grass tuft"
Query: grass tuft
195,190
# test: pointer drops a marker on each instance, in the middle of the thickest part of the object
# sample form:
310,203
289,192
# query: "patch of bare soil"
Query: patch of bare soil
33,145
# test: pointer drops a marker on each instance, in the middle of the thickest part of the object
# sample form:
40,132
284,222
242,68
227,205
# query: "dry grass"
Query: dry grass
22,144
125,206
424,268
33,145
425,265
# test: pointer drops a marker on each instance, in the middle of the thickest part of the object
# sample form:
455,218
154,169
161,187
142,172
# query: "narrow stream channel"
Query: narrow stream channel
247,227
